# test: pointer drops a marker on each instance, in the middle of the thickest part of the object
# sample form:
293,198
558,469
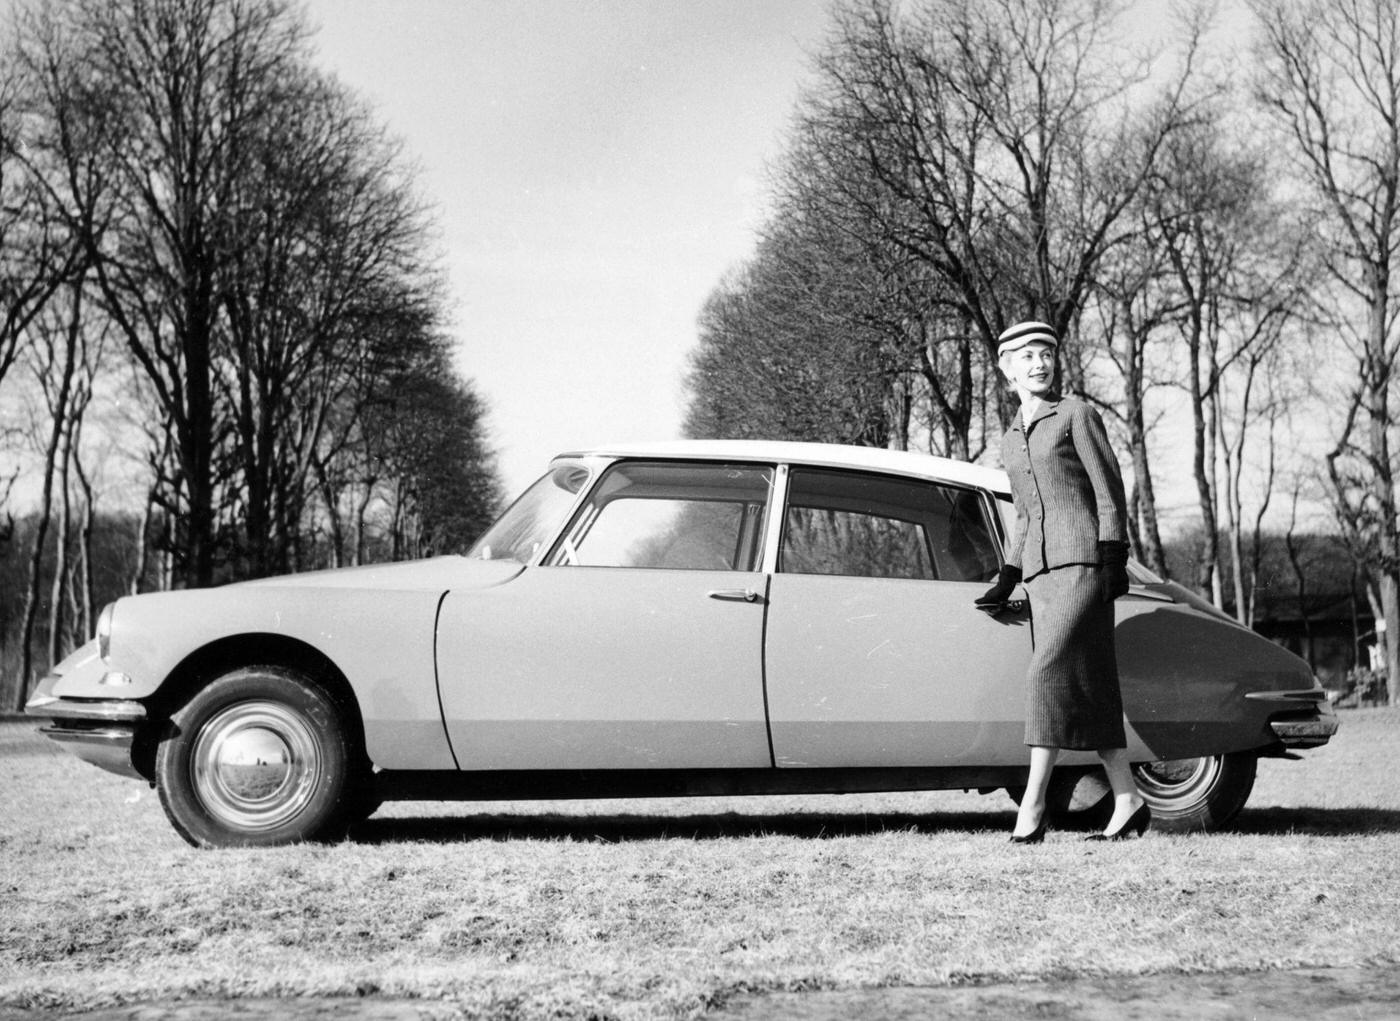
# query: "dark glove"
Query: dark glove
994,599
1113,570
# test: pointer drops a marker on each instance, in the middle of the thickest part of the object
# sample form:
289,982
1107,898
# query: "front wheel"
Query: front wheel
259,757
1196,794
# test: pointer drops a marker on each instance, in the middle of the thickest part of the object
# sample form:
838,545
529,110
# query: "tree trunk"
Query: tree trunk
1206,576
143,545
1230,507
1290,543
59,409
1149,532
58,586
85,617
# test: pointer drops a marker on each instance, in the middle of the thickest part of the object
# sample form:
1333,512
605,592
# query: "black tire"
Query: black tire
259,757
1196,794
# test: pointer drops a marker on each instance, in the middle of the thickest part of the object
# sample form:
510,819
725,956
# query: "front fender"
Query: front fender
380,641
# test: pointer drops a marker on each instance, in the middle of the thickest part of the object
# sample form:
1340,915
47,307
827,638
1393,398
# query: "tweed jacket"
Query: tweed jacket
1065,484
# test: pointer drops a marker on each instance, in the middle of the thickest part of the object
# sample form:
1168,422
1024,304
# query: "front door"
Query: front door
638,644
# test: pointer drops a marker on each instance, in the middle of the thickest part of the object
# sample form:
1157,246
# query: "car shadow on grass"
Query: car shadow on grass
619,828
1328,822
631,827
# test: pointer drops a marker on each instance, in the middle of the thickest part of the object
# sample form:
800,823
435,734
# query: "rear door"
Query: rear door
639,642
875,654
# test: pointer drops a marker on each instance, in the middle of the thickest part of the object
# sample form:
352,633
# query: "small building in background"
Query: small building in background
1335,632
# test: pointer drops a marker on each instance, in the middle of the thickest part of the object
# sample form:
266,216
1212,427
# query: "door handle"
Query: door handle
746,595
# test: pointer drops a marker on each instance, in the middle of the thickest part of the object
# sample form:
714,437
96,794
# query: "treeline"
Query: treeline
223,336
1212,229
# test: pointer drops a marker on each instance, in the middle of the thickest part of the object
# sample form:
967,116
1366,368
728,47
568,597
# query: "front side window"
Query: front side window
677,516
874,526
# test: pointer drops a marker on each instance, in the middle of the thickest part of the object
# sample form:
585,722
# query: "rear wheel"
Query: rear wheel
1205,793
259,757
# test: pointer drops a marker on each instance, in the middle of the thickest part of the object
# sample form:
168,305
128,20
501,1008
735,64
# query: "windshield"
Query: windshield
534,518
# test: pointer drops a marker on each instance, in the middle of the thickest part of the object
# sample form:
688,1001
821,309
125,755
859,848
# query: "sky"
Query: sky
596,167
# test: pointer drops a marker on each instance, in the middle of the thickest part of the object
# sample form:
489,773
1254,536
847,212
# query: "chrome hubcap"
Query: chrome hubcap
1168,784
256,765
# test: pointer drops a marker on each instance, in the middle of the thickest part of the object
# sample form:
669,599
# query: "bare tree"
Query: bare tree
925,356
1236,268
956,165
155,110
63,365
1329,74
790,347
255,240
36,253
1122,324
338,251
1009,140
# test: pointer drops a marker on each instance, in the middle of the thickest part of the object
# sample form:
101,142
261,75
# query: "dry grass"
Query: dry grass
662,909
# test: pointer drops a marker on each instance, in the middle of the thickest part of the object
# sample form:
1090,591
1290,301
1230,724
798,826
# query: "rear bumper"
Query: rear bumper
1310,732
1305,718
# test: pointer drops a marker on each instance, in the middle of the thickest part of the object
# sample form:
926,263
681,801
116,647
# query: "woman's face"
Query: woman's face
1031,369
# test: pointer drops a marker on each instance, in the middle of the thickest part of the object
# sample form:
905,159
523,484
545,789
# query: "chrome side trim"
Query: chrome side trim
98,710
1293,697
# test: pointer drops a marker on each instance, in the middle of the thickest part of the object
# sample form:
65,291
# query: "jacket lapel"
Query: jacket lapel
1049,404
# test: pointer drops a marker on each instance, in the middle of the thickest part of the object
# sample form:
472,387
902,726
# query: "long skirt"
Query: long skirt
1073,698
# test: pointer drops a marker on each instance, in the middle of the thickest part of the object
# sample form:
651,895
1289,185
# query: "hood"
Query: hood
437,574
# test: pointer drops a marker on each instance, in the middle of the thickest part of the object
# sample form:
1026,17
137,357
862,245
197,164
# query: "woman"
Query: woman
1071,549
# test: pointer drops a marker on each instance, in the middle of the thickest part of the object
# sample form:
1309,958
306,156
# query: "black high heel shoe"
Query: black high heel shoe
1136,826
1035,836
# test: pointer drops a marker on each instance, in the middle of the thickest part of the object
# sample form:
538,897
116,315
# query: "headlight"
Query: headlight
104,630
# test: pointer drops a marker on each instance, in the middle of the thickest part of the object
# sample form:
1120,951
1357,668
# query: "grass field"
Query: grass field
663,909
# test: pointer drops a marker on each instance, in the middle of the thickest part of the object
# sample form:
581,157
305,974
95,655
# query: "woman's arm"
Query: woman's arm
1092,446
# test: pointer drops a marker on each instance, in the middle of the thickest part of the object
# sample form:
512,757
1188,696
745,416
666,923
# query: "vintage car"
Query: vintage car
688,618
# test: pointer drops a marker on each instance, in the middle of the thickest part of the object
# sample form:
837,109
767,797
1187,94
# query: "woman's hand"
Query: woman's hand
994,599
1113,570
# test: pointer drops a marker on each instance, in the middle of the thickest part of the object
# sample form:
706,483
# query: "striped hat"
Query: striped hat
1021,334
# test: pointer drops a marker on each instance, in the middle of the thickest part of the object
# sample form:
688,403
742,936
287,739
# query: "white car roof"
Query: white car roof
826,455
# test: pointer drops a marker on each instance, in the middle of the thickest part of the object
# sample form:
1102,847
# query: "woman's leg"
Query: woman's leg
1033,801
1126,798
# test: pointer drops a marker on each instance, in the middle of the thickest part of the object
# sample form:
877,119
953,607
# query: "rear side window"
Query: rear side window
671,515
877,526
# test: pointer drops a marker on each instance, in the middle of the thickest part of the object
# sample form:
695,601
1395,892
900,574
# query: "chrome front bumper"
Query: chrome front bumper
98,731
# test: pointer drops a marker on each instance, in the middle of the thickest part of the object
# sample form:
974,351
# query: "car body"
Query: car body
658,619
